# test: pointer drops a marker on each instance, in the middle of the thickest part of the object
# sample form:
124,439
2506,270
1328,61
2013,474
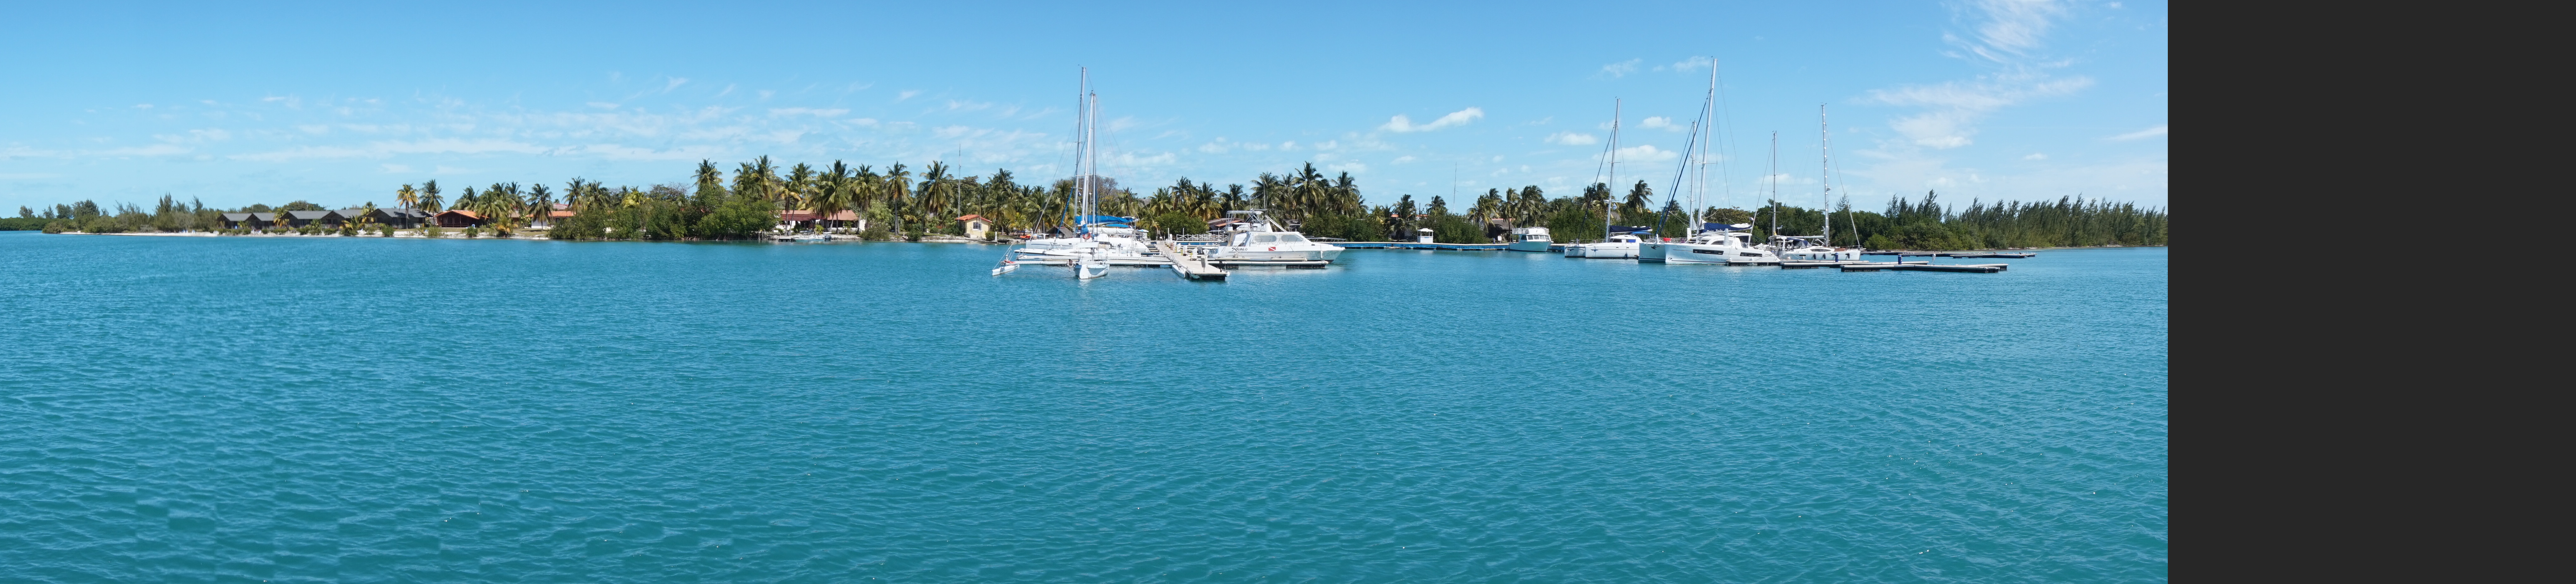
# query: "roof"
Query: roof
237,216
467,214
559,213
973,217
264,216
307,214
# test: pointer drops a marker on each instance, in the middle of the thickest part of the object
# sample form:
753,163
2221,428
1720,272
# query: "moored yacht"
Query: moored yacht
1719,244
1618,247
1259,239
1529,239
1811,248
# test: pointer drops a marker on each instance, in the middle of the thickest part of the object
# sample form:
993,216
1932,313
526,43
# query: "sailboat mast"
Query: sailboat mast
1608,192
1826,173
1081,149
1775,183
1707,112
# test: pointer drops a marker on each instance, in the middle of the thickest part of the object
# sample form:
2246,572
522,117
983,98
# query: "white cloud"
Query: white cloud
1572,139
1646,153
906,94
1401,124
1347,167
2006,34
674,83
153,150
1403,159
2035,156
1622,68
1661,123
2159,130
2012,28
602,105
807,111
1691,64
390,148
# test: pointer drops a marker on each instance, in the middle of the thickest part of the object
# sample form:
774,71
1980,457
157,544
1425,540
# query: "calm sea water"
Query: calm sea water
365,410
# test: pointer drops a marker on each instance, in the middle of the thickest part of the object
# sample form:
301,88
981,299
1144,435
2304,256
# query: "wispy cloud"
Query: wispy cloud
1622,68
1661,123
1572,139
2006,34
807,111
2159,130
1646,153
1401,124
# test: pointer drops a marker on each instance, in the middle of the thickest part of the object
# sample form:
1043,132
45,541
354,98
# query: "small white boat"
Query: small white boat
1088,268
1618,247
1529,239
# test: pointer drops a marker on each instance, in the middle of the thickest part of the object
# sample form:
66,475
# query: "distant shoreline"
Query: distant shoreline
934,239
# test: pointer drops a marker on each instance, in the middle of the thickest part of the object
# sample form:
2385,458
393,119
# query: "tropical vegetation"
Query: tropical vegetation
900,202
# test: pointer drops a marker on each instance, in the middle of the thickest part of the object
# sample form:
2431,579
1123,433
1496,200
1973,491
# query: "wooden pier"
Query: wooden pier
1188,265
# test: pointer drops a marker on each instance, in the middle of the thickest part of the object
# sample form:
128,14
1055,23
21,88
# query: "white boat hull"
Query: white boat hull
1821,255
1652,252
1088,269
1602,251
1536,246
1685,253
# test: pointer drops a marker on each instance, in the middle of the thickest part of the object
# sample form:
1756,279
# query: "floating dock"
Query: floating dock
1419,245
1926,267
1956,254
1797,264
1187,265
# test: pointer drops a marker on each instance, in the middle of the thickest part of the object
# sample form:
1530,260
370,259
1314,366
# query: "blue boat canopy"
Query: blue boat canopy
1093,219
1618,229
1717,227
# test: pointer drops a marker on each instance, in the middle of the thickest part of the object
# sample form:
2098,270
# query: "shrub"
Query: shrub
432,231
473,232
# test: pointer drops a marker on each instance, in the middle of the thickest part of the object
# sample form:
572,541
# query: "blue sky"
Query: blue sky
341,103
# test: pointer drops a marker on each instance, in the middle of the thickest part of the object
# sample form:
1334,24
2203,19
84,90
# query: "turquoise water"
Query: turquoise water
369,410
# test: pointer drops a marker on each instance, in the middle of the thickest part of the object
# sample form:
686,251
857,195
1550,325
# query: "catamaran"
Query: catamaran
1097,241
1816,248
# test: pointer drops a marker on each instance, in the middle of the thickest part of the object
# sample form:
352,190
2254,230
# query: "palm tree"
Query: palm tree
429,199
407,197
832,195
543,202
897,190
710,184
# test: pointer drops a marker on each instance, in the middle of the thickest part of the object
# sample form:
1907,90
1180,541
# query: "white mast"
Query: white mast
1081,149
1707,111
1609,191
1826,174
1775,183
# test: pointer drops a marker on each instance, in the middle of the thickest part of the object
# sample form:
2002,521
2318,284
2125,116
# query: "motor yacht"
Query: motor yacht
1529,239
1259,239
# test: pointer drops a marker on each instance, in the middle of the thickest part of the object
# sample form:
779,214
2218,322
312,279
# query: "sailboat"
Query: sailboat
1817,248
1614,244
1659,250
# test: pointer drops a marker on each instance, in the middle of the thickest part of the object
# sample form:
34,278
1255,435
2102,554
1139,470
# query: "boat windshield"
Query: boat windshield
1291,238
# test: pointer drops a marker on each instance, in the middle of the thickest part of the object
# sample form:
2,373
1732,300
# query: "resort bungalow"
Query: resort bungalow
454,218
251,221
303,218
404,218
549,218
793,219
977,226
